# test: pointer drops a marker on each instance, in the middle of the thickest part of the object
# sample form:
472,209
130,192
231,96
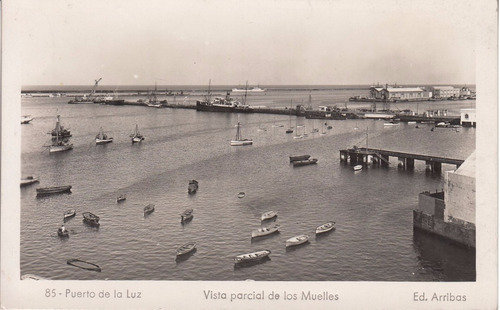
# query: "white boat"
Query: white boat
325,227
136,136
251,90
268,215
412,122
391,123
357,167
60,146
102,138
29,180
251,257
241,195
69,214
264,231
296,240
26,119
239,141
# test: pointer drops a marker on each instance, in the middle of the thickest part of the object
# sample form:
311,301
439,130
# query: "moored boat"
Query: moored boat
83,264
325,227
90,218
299,157
239,141
306,162
69,214
187,215
121,198
149,209
391,123
59,130
26,119
136,136
186,248
28,180
264,231
53,190
102,138
268,215
297,240
62,232
251,90
193,186
251,257
357,167
241,195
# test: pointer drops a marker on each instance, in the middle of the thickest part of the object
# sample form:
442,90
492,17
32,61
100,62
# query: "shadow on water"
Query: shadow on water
451,261
184,257
293,248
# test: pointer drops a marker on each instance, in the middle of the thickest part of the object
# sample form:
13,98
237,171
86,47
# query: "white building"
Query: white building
468,117
445,91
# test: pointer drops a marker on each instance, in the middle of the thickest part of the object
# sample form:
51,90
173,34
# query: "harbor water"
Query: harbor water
373,241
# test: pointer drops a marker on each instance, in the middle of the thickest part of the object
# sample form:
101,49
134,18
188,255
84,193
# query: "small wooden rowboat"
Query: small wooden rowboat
297,240
186,248
187,215
90,218
251,257
357,167
28,180
52,190
121,198
268,215
69,214
83,264
149,209
325,227
241,195
62,232
264,231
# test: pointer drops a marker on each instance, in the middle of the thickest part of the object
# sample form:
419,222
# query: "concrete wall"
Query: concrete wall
460,197
463,233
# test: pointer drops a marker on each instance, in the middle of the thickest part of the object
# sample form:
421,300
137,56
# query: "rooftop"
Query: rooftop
468,168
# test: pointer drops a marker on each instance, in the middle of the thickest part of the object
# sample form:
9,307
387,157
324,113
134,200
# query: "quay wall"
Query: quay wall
460,197
462,233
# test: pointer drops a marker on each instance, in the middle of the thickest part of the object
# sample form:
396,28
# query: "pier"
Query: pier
356,156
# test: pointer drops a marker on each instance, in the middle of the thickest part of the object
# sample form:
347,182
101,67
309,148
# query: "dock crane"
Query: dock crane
94,88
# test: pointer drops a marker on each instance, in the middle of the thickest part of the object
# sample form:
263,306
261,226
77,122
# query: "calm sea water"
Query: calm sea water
374,239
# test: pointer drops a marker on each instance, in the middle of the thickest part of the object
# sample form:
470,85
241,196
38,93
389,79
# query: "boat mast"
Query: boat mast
246,87
367,138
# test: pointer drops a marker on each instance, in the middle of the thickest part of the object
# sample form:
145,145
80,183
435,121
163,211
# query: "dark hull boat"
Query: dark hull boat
187,215
186,249
305,162
193,186
299,158
90,219
149,209
53,190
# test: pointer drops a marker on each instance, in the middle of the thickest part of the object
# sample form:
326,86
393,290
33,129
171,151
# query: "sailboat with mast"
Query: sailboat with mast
153,99
59,140
239,141
136,136
102,138
297,136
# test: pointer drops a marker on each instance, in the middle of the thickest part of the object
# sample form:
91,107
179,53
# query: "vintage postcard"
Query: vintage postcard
216,154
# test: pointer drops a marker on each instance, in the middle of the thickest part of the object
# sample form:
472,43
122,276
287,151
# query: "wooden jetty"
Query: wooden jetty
356,156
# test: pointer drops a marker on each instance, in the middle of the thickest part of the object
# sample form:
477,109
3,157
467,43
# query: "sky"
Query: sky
266,42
